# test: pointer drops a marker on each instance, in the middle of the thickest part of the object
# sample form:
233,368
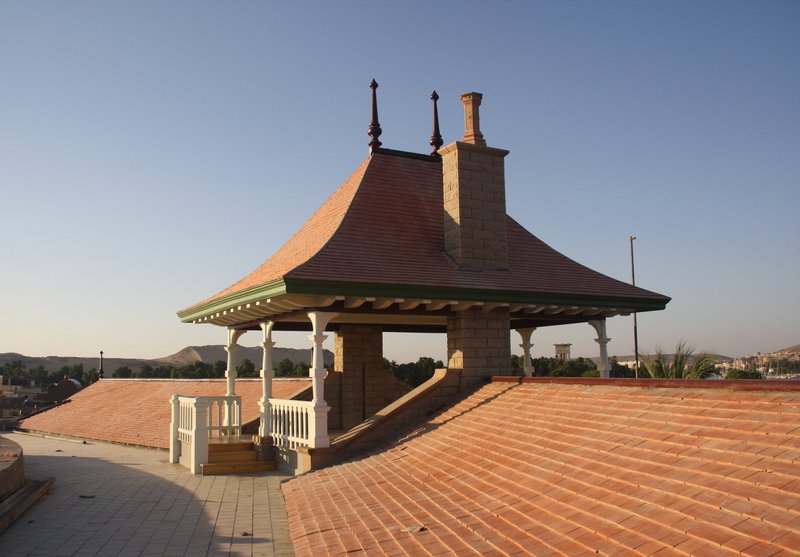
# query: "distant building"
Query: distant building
562,351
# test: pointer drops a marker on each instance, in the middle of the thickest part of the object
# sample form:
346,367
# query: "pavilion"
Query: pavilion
409,243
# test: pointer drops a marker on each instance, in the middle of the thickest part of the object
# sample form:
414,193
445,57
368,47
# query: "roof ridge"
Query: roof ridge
689,385
407,154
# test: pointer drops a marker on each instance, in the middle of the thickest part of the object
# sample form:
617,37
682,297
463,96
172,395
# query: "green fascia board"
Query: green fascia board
377,290
248,296
287,285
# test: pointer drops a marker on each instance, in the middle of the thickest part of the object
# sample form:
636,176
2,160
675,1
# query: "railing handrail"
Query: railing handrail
214,398
291,422
291,403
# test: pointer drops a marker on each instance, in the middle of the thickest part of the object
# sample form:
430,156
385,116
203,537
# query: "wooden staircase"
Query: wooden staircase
234,457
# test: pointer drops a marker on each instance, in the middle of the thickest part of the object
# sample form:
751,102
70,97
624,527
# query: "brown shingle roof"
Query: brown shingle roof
137,412
537,468
383,229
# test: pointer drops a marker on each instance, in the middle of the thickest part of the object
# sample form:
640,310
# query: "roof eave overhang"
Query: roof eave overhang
290,295
380,290
253,295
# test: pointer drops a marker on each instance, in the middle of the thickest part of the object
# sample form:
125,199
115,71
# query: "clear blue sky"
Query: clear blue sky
152,153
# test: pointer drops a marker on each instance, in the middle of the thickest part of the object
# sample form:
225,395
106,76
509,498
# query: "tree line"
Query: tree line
17,373
682,365
202,370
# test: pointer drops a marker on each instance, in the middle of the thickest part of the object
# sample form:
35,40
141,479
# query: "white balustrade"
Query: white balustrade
196,420
295,423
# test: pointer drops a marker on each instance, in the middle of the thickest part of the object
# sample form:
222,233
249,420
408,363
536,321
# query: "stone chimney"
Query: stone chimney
474,196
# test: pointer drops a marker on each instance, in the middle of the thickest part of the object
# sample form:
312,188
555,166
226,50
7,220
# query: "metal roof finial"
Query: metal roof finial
436,138
374,130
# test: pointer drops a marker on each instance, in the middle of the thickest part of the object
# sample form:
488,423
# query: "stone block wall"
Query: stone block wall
475,206
478,343
409,410
359,387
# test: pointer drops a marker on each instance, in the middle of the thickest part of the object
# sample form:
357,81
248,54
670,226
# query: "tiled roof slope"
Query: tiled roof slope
385,226
564,469
138,412
306,242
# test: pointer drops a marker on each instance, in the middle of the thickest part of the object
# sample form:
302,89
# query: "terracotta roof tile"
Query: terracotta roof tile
570,469
138,412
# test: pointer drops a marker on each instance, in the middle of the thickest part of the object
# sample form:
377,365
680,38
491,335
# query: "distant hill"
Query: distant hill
215,352
793,349
54,363
189,355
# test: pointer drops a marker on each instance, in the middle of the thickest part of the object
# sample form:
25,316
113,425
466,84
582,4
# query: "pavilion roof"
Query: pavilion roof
380,238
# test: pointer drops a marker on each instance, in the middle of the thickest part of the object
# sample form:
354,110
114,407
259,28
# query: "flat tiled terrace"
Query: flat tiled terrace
119,500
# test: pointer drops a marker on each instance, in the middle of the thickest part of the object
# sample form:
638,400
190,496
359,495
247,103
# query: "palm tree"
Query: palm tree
682,366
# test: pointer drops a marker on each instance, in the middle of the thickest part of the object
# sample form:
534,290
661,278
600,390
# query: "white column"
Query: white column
267,373
600,326
318,426
230,372
526,346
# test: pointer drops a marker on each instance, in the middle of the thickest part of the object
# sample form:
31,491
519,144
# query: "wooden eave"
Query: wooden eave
402,307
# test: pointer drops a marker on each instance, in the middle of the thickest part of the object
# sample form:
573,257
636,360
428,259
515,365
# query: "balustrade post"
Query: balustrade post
318,427
199,435
174,442
237,414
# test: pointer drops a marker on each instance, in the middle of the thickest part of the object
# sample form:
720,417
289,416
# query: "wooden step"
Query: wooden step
230,446
232,456
222,468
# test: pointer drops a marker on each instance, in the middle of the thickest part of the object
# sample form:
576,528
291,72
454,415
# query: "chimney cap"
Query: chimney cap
472,123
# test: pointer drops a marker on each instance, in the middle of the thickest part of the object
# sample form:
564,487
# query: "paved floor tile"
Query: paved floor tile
117,500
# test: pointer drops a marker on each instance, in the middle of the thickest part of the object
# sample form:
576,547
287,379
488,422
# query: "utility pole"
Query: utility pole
635,330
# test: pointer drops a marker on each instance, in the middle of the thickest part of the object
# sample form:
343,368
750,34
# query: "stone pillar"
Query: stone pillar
267,374
600,327
363,386
318,423
527,365
478,344
473,177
